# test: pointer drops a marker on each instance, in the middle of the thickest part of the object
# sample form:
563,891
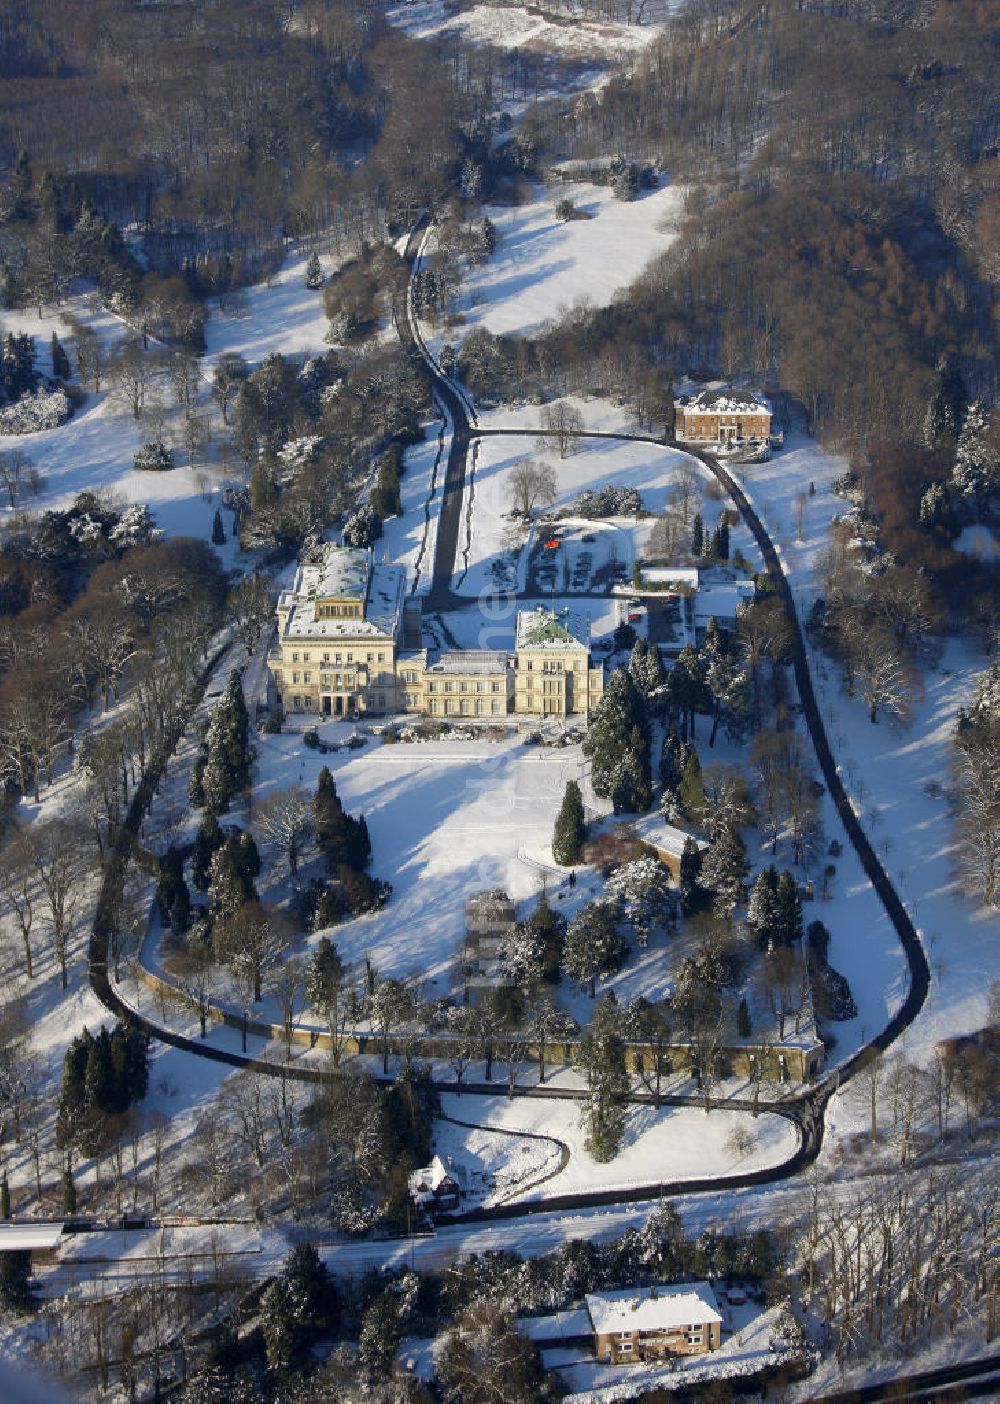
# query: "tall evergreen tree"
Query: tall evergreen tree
617,745
789,910
724,870
671,761
207,840
314,273
60,361
602,1059
570,827
697,535
218,530
763,913
691,791
594,945
689,876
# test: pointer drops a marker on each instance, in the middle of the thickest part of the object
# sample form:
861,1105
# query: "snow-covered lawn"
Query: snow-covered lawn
446,819
281,315
543,266
488,535
659,1145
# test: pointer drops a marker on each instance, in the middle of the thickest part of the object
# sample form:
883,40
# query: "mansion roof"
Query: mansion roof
725,400
344,573
543,629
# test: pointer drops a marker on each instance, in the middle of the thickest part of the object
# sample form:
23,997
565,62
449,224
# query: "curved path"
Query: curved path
805,1108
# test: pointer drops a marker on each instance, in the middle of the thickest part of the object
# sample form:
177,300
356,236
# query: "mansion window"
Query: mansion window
480,687
495,687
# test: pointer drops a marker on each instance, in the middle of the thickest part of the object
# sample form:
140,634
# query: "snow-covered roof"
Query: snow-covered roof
652,1308
470,660
721,601
662,835
384,586
670,575
726,400
343,572
424,1184
16,1238
545,629
557,1326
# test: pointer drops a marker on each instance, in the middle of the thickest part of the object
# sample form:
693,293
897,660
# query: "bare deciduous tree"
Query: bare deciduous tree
561,423
531,484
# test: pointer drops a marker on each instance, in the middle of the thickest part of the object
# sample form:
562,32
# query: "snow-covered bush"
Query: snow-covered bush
644,896
154,457
135,527
609,502
363,527
43,409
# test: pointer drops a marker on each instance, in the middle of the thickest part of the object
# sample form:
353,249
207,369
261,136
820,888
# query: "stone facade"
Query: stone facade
344,630
654,1323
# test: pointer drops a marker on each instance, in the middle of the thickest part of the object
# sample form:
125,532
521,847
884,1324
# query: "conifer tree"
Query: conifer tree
618,746
570,827
697,535
724,869
671,762
218,530
789,910
593,944
691,791
602,1059
689,874
743,1025
60,361
314,273
763,915
208,838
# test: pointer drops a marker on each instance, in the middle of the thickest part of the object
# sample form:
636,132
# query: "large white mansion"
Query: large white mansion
349,643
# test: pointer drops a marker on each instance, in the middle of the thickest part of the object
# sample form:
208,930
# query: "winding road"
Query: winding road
806,1107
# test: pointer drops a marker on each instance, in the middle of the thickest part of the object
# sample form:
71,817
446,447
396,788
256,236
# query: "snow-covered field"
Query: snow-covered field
659,1145
594,46
543,266
446,819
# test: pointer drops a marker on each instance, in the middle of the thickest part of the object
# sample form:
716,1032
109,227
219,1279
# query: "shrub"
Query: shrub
43,409
154,457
